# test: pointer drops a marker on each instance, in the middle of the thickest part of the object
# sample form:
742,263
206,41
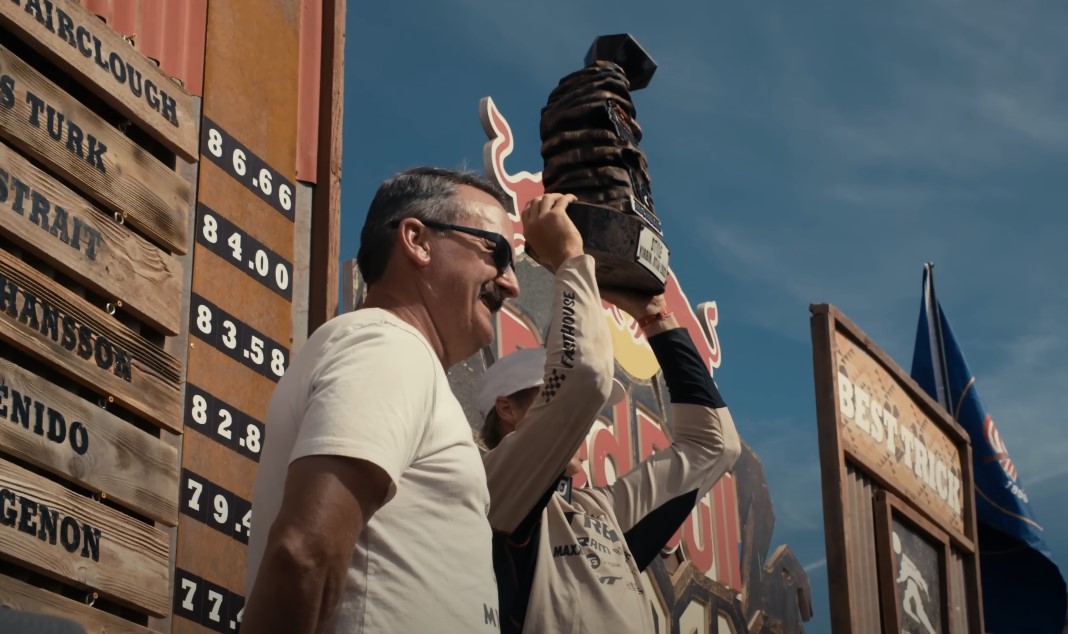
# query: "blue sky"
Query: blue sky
800,153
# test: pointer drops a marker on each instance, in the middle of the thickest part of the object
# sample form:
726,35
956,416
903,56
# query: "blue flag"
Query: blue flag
1023,590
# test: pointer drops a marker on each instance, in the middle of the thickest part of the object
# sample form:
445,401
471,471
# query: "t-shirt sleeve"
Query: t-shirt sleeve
369,397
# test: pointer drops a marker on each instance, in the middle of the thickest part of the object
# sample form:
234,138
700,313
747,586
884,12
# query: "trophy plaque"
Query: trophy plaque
590,149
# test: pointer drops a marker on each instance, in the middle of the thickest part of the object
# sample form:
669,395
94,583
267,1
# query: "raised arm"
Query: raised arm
653,499
578,381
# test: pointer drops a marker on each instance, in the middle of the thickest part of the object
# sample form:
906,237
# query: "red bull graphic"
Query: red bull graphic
715,574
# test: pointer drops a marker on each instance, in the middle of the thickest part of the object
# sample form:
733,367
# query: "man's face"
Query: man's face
467,286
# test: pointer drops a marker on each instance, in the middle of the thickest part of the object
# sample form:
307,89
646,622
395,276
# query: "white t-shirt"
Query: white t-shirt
367,385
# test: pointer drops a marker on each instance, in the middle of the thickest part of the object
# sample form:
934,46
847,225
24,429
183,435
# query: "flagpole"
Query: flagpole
939,350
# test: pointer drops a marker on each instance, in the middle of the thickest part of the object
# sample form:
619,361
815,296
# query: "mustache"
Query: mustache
493,297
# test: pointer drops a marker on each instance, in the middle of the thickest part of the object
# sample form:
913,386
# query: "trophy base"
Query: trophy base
629,253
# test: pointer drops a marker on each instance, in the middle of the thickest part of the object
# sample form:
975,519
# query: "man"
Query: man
571,560
370,501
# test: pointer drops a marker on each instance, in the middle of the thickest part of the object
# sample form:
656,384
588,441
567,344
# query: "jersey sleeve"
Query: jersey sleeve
652,500
578,381
370,398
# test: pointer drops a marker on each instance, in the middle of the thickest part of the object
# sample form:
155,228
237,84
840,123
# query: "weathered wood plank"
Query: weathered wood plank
48,124
877,417
17,595
48,426
83,342
101,59
71,537
48,218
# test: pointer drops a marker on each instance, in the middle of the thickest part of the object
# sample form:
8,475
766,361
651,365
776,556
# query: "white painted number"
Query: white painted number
281,276
190,587
262,265
239,162
200,409
215,142
221,509
204,319
216,601
230,338
277,359
235,244
285,197
210,228
247,523
265,181
224,426
252,438
197,488
257,349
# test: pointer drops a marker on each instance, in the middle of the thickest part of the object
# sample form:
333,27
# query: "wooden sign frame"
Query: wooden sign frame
863,489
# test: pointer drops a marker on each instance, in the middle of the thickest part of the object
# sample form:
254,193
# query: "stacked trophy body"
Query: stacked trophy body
590,149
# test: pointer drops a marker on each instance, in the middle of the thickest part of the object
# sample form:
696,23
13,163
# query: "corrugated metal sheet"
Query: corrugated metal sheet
308,88
859,492
172,32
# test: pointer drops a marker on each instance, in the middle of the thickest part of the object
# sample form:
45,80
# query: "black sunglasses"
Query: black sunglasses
502,251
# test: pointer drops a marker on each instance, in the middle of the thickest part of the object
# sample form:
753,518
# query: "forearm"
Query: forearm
703,427
289,597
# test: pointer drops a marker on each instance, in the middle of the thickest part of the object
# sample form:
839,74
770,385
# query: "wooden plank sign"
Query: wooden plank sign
83,342
78,42
46,123
16,595
49,427
884,428
881,437
69,537
87,244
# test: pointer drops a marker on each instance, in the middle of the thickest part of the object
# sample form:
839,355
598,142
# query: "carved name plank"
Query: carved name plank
83,342
71,537
48,124
48,426
78,42
17,595
59,225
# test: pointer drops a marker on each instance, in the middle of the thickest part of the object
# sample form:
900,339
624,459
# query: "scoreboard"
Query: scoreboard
156,276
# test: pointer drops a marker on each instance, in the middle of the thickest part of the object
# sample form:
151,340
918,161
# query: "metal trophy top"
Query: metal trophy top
590,148
624,50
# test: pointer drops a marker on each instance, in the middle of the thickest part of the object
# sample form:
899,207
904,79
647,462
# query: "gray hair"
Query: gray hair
424,193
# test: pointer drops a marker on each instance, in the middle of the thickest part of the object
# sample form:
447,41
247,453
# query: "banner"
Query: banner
1023,590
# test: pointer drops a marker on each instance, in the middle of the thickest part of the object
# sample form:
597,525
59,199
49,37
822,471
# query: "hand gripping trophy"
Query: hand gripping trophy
590,149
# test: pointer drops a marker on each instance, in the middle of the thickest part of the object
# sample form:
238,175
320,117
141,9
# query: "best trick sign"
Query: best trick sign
898,494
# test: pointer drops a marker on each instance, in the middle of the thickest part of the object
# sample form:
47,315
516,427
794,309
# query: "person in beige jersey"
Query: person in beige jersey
370,502
570,560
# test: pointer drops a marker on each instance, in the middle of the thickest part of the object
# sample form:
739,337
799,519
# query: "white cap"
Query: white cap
517,371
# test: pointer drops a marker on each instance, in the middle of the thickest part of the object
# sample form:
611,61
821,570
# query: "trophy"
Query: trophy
590,149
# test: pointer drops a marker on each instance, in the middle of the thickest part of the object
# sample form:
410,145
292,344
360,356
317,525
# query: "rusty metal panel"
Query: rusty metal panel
171,32
863,577
311,54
